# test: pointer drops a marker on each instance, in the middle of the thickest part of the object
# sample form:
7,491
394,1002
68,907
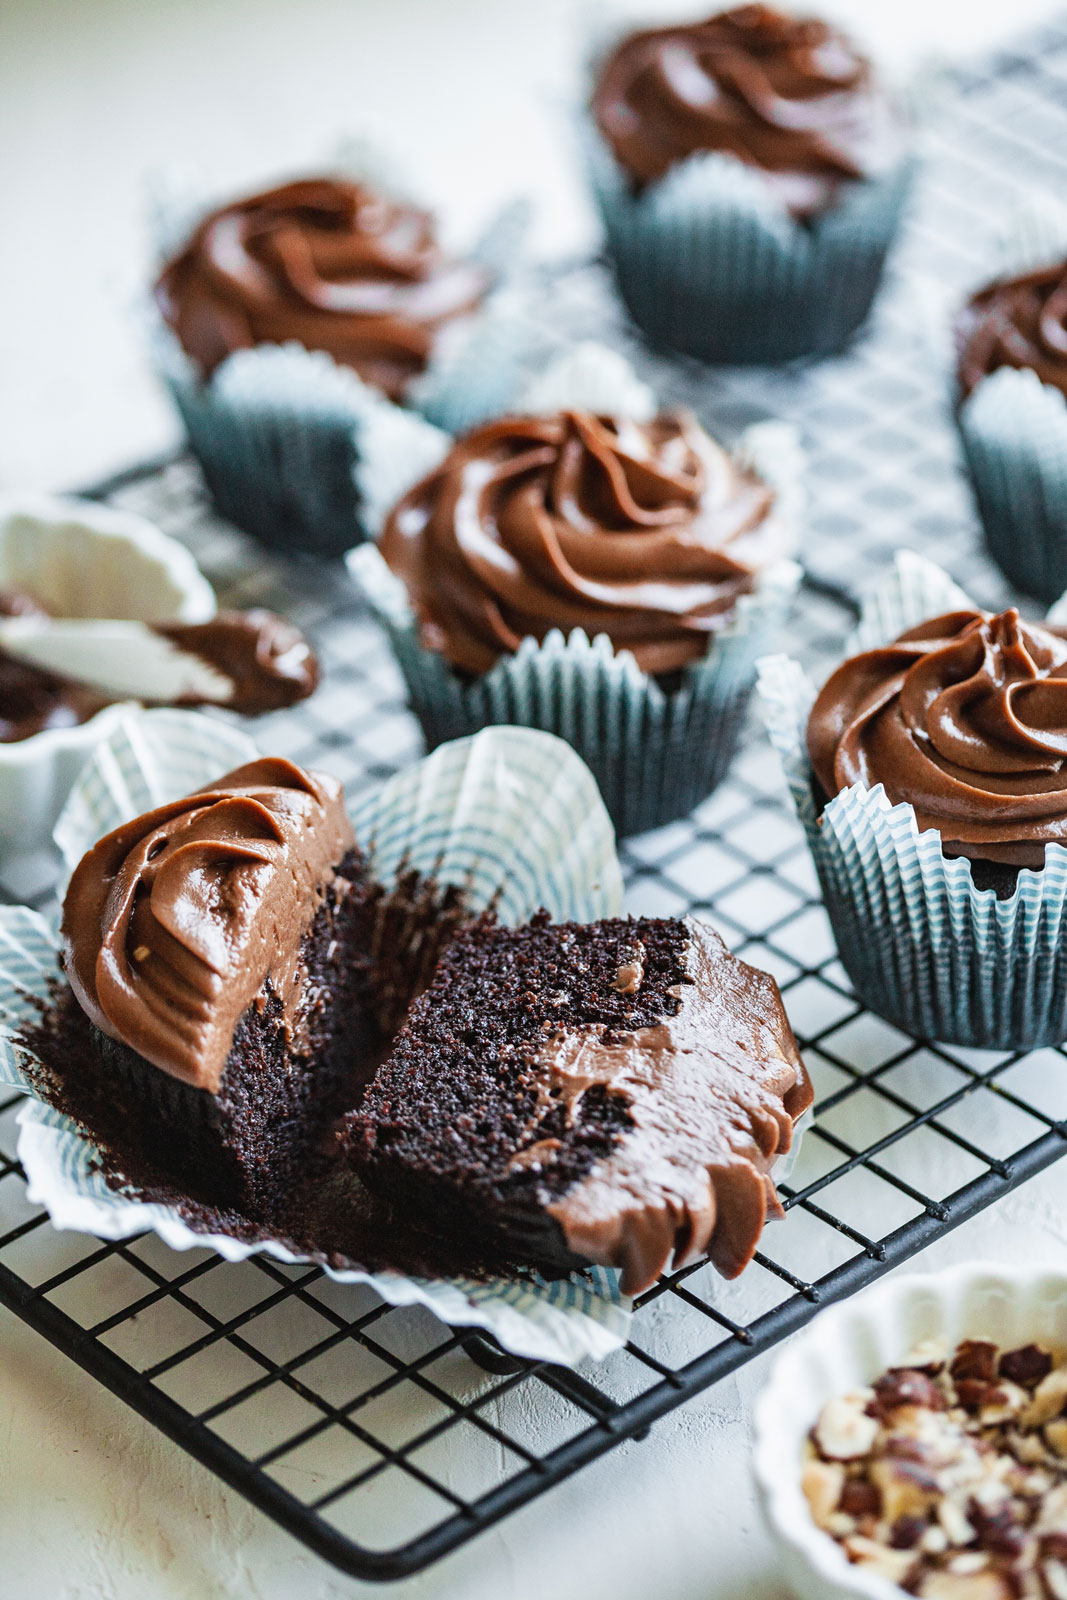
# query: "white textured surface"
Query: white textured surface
94,1504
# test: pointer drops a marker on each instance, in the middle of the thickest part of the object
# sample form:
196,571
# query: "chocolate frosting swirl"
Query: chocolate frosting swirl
788,95
647,532
1016,322
175,922
965,718
326,262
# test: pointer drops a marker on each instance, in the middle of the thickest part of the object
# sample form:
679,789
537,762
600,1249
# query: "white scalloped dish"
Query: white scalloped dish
849,1345
79,559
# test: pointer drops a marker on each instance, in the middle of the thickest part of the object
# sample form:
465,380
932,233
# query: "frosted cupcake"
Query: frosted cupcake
750,171
929,778
293,318
1012,373
607,576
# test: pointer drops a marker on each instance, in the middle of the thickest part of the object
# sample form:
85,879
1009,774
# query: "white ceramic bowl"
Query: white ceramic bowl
848,1346
79,559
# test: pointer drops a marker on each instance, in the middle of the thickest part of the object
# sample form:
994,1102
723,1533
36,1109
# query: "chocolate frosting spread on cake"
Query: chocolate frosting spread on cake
1017,322
713,1094
326,262
788,95
965,718
32,701
268,661
173,923
647,532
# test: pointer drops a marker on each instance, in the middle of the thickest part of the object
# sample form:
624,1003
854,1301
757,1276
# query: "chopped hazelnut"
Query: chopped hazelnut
1055,1434
1028,1365
1054,1574
904,1386
974,1358
1048,1400
844,1431
963,1586
1002,1403
907,1490
822,1483
895,1565
953,1521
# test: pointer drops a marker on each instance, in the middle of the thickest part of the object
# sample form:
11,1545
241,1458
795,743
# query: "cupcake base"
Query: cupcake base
710,265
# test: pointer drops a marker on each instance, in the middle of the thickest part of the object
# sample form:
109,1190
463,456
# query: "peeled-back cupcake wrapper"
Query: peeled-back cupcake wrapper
511,814
923,946
709,262
654,754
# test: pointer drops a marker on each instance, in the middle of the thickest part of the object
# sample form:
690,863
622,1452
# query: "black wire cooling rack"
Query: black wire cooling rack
375,1435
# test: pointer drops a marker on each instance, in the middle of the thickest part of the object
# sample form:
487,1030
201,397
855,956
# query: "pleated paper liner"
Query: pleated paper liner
655,753
1014,434
922,945
511,814
708,261
1013,427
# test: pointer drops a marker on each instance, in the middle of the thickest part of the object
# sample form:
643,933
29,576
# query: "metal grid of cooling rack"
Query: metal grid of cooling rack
375,1435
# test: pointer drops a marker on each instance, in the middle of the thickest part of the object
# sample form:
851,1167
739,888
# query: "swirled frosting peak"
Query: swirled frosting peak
964,718
1016,322
173,923
647,532
788,95
328,263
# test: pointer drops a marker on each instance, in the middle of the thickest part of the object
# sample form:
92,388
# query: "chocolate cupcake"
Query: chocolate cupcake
215,944
928,778
608,579
750,171
1012,416
622,1100
291,318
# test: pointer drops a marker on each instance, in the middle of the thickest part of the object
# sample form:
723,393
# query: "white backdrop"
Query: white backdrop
94,1504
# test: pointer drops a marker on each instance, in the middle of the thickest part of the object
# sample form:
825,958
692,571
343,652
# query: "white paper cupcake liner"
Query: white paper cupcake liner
511,815
846,1348
79,559
710,263
922,945
279,431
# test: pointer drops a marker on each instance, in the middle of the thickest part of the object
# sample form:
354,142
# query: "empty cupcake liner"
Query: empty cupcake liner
923,946
710,263
511,814
79,559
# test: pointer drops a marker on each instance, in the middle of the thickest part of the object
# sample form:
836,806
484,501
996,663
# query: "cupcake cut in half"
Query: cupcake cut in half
614,1092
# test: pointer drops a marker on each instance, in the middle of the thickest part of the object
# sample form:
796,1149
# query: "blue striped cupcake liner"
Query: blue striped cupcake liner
512,815
709,263
923,947
655,753
280,432
1013,429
